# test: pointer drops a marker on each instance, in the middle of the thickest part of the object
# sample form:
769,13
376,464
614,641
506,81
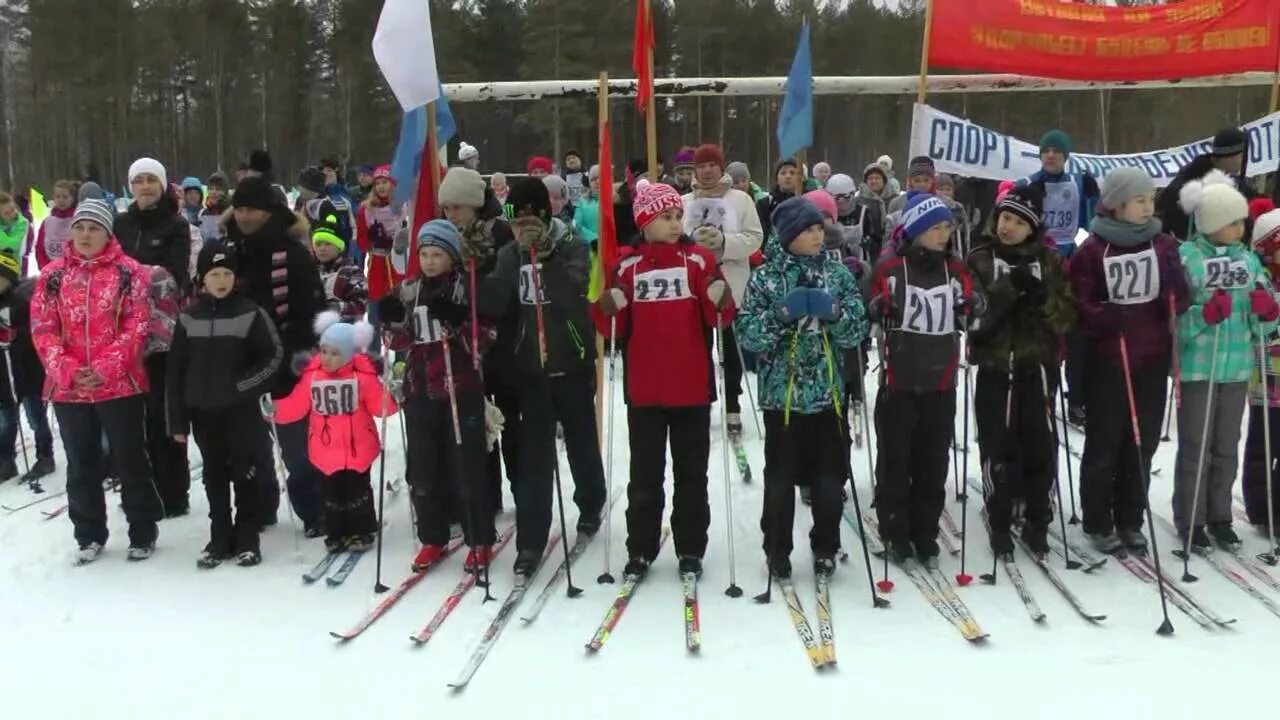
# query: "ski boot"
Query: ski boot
1002,544
138,553
899,550
691,564
1200,543
88,553
589,524
211,558
527,562
780,567
1134,541
335,545
477,558
44,466
426,557
1225,536
361,543
249,558
927,553
1106,543
1036,536
8,470
824,566
637,567
734,422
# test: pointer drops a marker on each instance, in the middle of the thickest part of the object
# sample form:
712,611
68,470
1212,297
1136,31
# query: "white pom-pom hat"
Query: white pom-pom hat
1214,201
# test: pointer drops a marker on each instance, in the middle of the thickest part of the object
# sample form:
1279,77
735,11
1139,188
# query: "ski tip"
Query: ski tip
340,636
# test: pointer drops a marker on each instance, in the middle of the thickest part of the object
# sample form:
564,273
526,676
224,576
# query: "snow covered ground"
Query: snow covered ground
162,639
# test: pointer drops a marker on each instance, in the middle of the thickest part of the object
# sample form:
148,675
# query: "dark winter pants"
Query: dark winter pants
231,442
82,425
444,477
690,433
348,506
1016,435
914,432
37,419
507,400
168,458
1221,456
732,371
305,482
1113,488
1256,472
1077,367
569,399
813,447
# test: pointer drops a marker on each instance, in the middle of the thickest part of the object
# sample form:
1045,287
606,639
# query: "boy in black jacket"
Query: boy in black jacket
225,355
20,364
555,362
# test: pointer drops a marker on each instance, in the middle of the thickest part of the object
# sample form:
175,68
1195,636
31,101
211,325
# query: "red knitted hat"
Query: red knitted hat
653,199
540,162
708,154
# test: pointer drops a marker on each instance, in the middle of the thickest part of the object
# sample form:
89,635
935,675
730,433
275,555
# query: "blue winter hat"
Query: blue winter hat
192,183
922,212
792,217
442,234
346,338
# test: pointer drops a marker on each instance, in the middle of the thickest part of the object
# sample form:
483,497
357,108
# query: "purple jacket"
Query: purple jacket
1144,325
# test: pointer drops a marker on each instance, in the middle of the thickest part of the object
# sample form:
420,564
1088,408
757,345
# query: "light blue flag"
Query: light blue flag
795,122
406,164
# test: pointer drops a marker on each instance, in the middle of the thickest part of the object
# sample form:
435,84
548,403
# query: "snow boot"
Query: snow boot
361,543
211,558
426,557
88,553
824,566
8,470
899,550
927,548
335,545
138,553
1225,536
589,524
780,567
637,567
527,562
1199,540
691,564
1134,540
477,558
734,421
1036,536
1001,543
1108,543
929,562
44,466
249,558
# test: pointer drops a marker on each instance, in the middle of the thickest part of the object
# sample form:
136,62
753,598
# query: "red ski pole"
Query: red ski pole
475,323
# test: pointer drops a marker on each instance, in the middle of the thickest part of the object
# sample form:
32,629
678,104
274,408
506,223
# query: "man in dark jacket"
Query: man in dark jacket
278,272
225,354
1227,155
154,232
788,184
555,359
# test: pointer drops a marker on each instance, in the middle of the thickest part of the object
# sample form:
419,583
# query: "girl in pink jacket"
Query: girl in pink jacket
341,393
90,317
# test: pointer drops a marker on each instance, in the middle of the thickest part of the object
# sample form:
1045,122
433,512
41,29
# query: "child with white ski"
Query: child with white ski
224,356
1128,279
546,273
1016,348
802,312
922,297
428,317
341,395
1264,397
667,298
1232,309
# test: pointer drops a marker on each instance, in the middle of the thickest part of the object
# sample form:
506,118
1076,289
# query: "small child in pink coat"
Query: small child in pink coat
341,392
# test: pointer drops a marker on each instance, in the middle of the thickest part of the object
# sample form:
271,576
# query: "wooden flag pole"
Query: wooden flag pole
651,115
433,150
924,53
801,158
1275,85
602,108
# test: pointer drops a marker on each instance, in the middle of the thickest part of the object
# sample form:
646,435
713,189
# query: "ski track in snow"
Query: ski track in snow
141,640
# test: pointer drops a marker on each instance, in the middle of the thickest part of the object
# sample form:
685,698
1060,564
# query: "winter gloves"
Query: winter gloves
808,302
1263,304
711,238
477,241
1218,307
1029,287
391,310
449,313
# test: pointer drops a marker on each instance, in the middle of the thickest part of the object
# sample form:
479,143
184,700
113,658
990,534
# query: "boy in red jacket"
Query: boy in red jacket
667,296
342,393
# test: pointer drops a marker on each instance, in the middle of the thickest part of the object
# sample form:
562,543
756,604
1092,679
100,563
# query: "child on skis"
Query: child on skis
1127,278
667,296
225,355
429,318
1264,396
802,311
922,297
554,363
1232,310
345,289
342,395
1015,346
55,231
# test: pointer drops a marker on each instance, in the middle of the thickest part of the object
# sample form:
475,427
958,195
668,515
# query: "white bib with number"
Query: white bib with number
426,329
1132,279
929,312
662,285
334,397
527,285
1225,274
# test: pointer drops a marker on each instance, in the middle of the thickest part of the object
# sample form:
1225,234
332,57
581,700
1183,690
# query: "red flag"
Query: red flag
607,244
644,42
424,205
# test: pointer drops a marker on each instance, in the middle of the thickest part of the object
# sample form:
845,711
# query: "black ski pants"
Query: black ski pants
914,432
348,501
813,447
689,429
507,399
1256,471
1013,431
231,442
447,480
168,458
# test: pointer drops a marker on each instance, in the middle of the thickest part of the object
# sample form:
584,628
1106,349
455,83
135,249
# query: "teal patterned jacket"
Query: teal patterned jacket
806,355
1238,270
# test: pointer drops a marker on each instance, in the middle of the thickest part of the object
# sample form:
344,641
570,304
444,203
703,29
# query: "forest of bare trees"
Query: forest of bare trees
198,83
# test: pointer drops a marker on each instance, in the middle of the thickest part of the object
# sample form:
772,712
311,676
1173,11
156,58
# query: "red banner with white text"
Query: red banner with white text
1072,41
